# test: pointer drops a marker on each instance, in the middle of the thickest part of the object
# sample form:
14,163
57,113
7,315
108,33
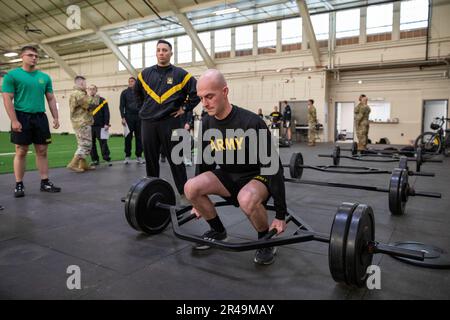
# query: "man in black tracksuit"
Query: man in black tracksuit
129,111
164,92
100,110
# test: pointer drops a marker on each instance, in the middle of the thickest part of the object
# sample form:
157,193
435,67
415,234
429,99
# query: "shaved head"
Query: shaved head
212,89
214,77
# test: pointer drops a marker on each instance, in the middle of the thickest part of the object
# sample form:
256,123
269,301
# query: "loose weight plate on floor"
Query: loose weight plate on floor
435,257
140,205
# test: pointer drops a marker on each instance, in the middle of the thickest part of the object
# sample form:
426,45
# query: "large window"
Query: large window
124,50
244,37
136,55
414,14
321,25
347,23
150,53
291,31
222,40
267,34
379,18
205,37
184,46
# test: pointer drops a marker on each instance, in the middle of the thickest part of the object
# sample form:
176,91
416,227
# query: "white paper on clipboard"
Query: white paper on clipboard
126,130
104,134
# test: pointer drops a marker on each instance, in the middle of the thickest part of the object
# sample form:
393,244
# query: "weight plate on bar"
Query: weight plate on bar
357,257
296,165
140,207
338,240
435,257
403,163
127,204
419,159
354,148
398,191
336,155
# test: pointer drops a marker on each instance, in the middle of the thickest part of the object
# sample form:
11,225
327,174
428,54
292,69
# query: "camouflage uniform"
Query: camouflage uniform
362,112
312,122
82,120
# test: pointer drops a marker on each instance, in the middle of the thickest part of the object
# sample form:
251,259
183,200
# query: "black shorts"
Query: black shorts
35,129
234,182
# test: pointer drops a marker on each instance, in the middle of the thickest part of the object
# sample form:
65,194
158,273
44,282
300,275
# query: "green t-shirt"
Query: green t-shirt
29,89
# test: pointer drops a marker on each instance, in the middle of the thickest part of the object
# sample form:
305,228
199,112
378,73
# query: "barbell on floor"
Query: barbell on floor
336,155
354,151
296,166
398,192
150,206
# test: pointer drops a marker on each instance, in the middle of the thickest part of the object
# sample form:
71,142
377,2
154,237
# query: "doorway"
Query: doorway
433,109
344,121
299,119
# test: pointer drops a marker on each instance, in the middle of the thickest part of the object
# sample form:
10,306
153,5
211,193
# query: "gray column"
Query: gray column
255,39
363,25
396,21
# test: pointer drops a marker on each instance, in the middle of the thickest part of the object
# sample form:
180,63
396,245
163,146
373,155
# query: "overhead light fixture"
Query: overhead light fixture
360,82
226,11
11,54
128,30
15,60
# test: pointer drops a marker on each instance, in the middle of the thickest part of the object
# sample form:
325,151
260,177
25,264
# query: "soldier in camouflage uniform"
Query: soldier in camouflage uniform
82,120
362,111
312,122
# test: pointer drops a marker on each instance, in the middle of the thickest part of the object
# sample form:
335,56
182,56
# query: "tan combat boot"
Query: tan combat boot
73,165
82,164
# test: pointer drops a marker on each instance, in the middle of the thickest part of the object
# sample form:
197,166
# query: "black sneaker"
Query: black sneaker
2,207
95,163
265,256
211,235
19,191
49,187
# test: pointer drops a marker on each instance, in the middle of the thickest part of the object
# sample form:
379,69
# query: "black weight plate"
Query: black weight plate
143,213
398,193
338,241
419,159
403,163
127,204
435,257
357,257
296,165
354,148
336,155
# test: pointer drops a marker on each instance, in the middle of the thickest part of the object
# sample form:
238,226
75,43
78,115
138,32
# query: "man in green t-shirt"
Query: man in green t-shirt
23,93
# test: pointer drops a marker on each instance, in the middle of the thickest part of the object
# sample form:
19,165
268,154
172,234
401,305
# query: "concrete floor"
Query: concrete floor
41,235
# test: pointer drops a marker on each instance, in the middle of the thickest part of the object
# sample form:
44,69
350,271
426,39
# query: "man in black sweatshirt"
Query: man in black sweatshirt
129,111
100,111
244,183
164,92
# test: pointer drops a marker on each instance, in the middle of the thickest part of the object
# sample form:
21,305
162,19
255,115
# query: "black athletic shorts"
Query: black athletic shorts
234,182
35,129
